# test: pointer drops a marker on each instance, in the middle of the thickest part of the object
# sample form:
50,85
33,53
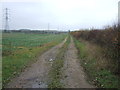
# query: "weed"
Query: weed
98,69
25,51
55,73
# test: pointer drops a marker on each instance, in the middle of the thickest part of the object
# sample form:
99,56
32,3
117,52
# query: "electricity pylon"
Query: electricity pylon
6,20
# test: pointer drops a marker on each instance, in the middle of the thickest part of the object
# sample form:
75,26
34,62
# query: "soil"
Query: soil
36,76
73,74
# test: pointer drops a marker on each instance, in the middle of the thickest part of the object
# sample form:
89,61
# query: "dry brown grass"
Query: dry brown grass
97,52
99,68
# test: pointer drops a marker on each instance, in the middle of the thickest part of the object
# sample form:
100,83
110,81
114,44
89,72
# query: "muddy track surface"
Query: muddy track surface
73,75
36,76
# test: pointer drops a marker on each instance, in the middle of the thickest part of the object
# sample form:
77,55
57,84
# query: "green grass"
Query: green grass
27,48
13,41
55,73
96,68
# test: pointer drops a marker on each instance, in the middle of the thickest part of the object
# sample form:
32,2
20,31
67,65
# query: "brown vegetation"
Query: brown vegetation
106,38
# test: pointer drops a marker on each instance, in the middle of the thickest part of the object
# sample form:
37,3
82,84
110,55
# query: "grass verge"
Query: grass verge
22,58
98,68
55,73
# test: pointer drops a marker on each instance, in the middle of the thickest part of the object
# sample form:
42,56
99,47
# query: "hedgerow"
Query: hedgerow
106,38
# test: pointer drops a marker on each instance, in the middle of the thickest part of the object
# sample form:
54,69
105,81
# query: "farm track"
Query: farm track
36,75
73,74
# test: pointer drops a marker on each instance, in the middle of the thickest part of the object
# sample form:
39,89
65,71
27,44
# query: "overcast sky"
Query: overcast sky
61,14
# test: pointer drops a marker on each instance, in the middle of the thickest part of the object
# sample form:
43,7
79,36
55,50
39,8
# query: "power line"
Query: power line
58,28
48,26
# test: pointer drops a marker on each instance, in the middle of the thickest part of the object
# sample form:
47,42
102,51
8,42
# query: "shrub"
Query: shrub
107,38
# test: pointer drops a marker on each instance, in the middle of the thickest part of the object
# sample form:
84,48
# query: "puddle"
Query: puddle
39,85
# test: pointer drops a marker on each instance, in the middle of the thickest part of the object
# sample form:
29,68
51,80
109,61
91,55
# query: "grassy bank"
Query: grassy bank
107,38
55,73
96,65
24,51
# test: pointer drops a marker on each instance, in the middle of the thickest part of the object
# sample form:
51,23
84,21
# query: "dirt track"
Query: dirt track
73,75
36,75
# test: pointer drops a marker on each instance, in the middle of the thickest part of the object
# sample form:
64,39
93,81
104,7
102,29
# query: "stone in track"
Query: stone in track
36,76
73,74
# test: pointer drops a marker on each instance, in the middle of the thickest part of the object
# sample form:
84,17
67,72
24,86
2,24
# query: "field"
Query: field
19,49
13,41
79,59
